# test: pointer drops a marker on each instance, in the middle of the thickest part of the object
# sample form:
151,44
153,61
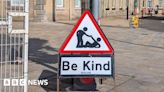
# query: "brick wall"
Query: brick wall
2,9
41,10
38,10
31,10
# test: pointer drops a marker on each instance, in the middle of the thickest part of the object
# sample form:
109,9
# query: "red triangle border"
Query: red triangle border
110,51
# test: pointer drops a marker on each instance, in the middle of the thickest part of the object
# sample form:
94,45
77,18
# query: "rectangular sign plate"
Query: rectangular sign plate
86,66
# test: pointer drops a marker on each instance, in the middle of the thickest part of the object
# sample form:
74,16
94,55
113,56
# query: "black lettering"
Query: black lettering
65,65
86,65
100,66
74,67
92,65
106,66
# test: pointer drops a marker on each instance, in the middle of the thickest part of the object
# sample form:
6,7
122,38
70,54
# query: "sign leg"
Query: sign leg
101,81
58,85
114,85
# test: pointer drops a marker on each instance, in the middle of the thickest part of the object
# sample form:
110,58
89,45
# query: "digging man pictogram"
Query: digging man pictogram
88,44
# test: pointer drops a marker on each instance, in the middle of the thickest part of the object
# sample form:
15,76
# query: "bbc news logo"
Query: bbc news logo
22,82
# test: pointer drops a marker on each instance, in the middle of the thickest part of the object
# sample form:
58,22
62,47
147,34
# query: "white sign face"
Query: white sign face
85,66
87,38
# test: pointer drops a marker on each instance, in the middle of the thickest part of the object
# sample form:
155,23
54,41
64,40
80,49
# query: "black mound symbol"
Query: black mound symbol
88,44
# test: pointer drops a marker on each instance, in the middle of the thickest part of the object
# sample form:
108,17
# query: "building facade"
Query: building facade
54,10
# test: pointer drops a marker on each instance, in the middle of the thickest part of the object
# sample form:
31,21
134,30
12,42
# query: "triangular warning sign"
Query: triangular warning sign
86,38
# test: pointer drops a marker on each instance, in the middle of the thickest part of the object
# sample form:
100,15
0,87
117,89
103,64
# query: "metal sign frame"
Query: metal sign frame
87,55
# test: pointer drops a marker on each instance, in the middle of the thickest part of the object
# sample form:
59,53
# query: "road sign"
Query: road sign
84,65
86,38
86,51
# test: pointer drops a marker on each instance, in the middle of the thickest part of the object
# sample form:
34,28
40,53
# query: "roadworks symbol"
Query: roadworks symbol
94,43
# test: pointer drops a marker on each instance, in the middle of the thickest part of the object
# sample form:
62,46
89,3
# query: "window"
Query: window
149,3
17,2
160,3
113,4
77,3
59,3
135,3
143,4
121,4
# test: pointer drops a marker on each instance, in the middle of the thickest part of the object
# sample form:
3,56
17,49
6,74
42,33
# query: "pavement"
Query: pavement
139,56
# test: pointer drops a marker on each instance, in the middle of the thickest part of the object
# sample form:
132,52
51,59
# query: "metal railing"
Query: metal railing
13,45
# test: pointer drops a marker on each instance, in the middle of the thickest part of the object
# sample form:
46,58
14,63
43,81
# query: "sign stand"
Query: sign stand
114,79
101,82
114,85
58,79
86,52
58,85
